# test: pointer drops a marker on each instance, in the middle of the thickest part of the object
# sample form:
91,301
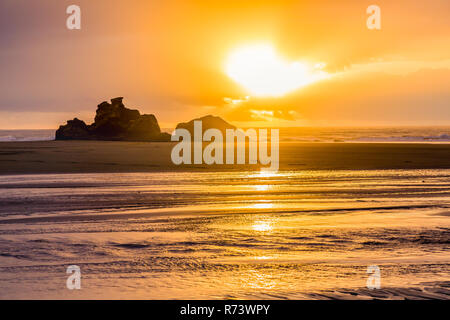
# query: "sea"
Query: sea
300,134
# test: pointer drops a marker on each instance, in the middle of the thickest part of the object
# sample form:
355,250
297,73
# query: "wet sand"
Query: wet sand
111,156
152,230
226,235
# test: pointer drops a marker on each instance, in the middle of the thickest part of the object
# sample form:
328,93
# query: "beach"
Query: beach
221,150
141,228
38,157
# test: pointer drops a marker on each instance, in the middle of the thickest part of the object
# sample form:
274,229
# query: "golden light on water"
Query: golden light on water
262,226
259,280
264,205
263,258
261,187
265,174
260,70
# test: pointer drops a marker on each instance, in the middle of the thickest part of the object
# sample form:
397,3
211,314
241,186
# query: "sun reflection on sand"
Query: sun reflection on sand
266,174
258,280
261,187
263,258
261,177
262,226
264,205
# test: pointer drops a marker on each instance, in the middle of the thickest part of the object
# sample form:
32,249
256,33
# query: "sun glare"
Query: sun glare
263,73
261,226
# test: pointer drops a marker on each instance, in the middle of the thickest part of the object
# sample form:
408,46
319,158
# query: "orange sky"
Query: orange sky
169,58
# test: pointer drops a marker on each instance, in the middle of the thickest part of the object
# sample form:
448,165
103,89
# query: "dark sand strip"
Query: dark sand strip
429,291
116,156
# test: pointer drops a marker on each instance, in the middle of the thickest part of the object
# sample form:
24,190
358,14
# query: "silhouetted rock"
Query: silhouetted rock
113,121
74,130
139,129
208,122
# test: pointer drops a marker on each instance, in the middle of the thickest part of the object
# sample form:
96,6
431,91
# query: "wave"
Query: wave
26,135
426,134
444,137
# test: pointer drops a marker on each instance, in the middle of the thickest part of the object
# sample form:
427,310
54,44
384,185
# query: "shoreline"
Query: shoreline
52,157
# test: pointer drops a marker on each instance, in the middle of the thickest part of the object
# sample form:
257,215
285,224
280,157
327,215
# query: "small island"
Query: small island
208,122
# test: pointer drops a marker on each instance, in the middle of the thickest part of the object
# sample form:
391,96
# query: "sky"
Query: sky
255,63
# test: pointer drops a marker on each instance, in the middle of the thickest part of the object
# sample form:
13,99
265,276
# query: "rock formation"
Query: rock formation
113,121
208,122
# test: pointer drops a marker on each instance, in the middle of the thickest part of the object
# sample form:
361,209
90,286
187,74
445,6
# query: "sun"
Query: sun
263,73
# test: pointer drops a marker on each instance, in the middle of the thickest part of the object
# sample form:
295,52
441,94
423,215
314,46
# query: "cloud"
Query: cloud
163,59
255,109
357,98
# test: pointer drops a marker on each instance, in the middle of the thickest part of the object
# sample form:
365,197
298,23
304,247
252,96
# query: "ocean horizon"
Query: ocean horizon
436,134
